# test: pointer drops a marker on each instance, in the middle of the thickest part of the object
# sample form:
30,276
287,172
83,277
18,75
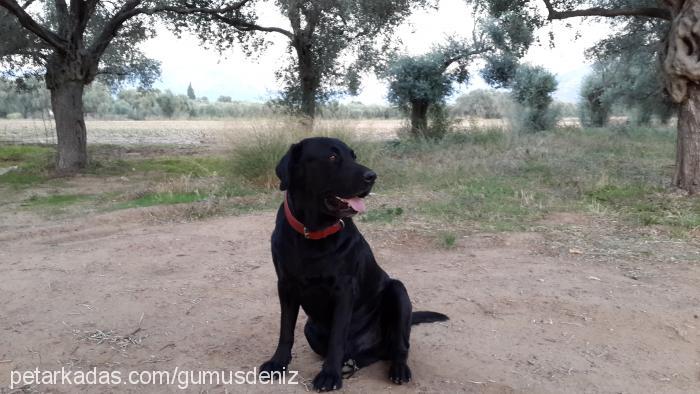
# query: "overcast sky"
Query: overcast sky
184,61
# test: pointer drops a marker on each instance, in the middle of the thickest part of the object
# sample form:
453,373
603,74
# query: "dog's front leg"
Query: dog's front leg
290,310
330,377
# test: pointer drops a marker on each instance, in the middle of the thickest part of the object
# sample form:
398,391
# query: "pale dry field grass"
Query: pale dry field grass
181,132
202,132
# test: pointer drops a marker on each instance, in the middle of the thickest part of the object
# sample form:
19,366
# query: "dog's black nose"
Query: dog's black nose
370,176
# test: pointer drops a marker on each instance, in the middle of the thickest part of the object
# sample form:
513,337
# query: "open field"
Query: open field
176,132
564,261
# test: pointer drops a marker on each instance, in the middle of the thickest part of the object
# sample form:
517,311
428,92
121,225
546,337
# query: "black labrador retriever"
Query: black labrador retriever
356,313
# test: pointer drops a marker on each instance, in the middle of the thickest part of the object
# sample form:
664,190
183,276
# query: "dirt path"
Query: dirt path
116,293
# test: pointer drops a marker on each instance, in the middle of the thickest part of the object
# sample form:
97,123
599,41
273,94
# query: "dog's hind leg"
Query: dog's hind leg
396,322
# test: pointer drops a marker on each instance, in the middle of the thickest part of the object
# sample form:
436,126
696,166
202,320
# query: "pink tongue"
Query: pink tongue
357,204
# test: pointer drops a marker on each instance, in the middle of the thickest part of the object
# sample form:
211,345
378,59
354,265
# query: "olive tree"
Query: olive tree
418,84
532,88
73,42
595,105
330,42
628,62
680,56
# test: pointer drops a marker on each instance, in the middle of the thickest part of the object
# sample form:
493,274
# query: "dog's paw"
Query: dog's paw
271,370
327,381
399,373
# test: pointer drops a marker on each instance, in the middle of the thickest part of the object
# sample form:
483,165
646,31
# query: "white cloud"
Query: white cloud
184,60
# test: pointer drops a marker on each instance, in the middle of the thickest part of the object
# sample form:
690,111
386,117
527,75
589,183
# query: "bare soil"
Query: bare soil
578,304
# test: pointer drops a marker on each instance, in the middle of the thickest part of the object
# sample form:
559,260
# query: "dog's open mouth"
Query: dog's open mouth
347,206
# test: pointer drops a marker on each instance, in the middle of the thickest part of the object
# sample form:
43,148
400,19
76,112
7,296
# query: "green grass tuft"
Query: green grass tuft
32,164
447,240
167,198
383,215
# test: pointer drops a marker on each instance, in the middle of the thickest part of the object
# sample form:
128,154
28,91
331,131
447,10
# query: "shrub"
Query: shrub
254,158
14,115
532,88
595,105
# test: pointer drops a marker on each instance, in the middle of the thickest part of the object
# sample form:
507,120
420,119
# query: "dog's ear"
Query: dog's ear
286,165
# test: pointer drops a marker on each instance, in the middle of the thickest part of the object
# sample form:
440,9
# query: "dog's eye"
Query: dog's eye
333,157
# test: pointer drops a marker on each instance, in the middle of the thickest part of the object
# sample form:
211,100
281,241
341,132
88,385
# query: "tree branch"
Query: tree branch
127,11
130,9
465,55
81,11
645,12
244,25
33,26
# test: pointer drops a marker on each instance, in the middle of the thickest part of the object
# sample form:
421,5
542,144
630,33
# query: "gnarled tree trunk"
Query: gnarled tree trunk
682,66
66,76
687,175
419,118
67,106
309,81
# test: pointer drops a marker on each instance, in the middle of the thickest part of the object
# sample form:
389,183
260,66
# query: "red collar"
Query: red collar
301,229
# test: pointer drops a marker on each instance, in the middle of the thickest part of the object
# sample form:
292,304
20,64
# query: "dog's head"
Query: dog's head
323,171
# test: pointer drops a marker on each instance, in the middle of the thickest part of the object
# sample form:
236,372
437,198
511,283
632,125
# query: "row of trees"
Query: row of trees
331,42
628,73
31,99
73,43
667,29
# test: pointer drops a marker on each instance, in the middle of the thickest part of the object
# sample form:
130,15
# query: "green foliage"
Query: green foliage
419,79
440,122
190,92
532,88
166,198
510,31
330,42
630,53
383,215
482,103
24,96
32,163
97,100
595,105
419,85
476,180
358,110
29,98
635,79
254,159
448,240
24,54
191,166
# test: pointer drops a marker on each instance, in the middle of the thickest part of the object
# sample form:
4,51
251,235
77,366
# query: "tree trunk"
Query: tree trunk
687,175
419,118
309,81
308,104
67,106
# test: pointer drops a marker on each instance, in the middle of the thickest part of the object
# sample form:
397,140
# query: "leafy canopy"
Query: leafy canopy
24,54
330,42
532,88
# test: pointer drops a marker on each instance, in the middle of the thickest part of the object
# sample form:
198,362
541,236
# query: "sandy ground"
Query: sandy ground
542,311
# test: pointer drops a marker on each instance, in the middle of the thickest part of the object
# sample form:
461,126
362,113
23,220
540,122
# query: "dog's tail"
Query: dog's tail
427,317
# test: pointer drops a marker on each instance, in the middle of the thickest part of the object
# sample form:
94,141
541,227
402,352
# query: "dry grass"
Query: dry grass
179,132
